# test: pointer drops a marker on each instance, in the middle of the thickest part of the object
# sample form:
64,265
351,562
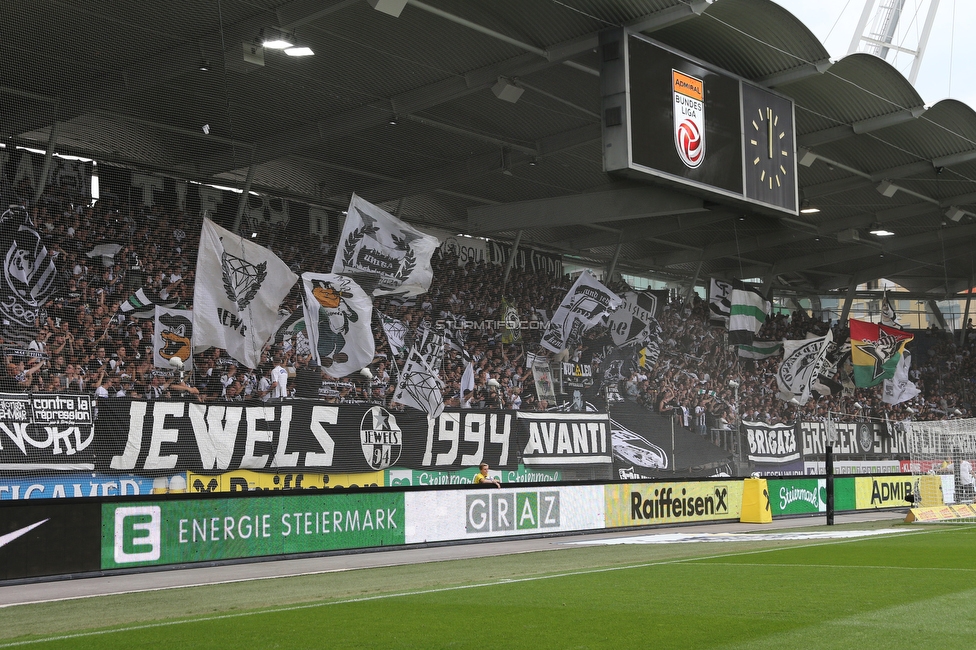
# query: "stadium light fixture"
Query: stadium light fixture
887,189
299,50
878,231
807,208
388,7
277,39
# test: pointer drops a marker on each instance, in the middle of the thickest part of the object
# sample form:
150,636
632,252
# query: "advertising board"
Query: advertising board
478,513
645,504
150,533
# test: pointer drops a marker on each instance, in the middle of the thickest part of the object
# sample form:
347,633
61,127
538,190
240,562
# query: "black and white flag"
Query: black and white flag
377,246
29,275
173,337
719,300
586,304
239,286
418,386
338,316
803,363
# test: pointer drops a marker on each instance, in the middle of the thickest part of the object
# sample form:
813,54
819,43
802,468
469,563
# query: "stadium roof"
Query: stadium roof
123,83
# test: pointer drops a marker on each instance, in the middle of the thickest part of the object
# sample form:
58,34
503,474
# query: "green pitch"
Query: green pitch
897,590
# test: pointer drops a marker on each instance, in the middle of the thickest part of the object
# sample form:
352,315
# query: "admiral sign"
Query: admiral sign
689,118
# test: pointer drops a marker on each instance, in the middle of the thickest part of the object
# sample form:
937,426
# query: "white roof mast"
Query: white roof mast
878,41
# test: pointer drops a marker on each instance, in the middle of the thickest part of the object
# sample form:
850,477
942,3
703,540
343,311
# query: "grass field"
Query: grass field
907,589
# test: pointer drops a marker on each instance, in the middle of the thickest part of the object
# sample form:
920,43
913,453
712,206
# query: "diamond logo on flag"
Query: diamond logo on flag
238,289
242,280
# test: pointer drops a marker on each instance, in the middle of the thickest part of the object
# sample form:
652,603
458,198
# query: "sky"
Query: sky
948,68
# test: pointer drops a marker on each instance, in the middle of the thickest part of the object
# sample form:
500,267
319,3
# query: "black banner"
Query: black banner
44,431
49,539
161,437
165,436
771,443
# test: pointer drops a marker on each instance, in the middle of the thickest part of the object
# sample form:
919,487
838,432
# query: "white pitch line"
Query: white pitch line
422,592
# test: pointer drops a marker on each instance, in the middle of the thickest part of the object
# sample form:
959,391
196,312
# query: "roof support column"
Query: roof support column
694,281
613,262
846,310
46,169
965,316
816,306
511,259
939,316
242,203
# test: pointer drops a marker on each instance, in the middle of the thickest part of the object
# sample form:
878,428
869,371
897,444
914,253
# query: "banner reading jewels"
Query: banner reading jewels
46,432
161,437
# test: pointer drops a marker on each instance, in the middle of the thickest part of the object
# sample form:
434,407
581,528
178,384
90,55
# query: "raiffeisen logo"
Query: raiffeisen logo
666,504
513,511
137,534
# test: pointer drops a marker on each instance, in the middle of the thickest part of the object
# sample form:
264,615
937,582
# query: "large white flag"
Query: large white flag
173,337
803,362
375,244
900,388
418,386
586,304
239,286
338,316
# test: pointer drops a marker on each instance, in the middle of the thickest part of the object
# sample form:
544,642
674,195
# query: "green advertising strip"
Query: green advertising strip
396,477
177,532
798,496
844,494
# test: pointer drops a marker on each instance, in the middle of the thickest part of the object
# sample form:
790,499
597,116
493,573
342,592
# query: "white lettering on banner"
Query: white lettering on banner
210,199
18,435
328,415
255,435
161,434
881,442
148,184
137,418
215,430
561,438
771,444
181,187
448,427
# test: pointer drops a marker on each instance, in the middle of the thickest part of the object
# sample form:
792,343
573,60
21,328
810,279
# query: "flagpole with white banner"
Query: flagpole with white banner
239,287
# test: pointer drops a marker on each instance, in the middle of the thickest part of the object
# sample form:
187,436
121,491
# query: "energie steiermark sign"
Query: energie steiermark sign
176,532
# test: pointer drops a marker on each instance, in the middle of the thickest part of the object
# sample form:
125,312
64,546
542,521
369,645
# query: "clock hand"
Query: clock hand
769,128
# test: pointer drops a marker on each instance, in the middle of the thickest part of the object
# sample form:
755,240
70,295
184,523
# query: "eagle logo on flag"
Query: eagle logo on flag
242,280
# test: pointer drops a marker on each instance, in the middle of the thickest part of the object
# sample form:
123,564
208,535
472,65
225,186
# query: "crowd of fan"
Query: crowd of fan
84,344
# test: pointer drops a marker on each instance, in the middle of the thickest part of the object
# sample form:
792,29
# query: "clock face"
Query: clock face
768,146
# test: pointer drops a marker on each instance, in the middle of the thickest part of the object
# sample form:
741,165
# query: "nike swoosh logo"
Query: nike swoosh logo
9,537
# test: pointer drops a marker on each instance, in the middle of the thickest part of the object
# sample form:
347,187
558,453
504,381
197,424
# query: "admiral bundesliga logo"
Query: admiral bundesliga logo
689,118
